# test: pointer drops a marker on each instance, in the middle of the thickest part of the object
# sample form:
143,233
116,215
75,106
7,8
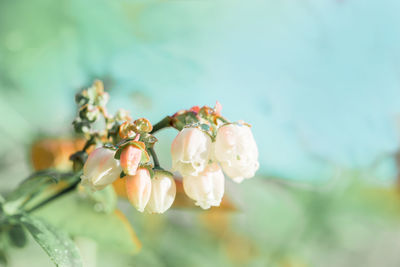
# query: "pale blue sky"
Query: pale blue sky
312,77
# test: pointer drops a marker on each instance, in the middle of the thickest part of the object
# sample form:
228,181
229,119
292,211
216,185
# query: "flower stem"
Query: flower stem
89,143
155,158
164,123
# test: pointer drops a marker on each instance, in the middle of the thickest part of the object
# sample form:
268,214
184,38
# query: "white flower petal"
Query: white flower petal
236,150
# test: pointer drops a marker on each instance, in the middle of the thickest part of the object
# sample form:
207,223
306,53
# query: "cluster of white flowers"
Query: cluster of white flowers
199,160
154,195
206,147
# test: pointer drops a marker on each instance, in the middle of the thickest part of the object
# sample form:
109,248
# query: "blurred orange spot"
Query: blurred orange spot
125,221
54,153
239,249
292,262
216,222
119,187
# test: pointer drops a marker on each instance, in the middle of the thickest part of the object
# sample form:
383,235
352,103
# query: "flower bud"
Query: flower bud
138,188
130,159
163,191
100,169
236,150
190,151
207,189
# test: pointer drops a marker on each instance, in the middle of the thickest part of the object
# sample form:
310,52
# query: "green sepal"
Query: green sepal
160,170
138,144
184,119
110,146
148,139
149,167
78,160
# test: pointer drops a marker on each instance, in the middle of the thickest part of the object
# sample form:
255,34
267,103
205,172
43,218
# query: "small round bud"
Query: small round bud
143,125
127,130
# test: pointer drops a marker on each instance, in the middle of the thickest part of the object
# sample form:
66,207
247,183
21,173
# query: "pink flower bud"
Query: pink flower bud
207,189
236,150
190,151
218,108
195,109
130,159
163,191
100,169
138,188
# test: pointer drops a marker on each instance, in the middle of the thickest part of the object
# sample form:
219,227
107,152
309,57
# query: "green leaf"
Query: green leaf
17,236
31,189
56,244
3,258
2,200
35,182
79,217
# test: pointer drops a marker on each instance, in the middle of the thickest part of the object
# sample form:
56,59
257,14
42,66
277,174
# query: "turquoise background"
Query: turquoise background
317,80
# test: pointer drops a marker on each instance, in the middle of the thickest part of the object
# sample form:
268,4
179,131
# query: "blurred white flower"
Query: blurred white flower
163,191
100,169
236,151
190,151
138,188
207,189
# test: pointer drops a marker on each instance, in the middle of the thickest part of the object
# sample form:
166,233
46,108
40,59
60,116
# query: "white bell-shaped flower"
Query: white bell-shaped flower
236,151
190,150
138,188
207,189
100,169
163,191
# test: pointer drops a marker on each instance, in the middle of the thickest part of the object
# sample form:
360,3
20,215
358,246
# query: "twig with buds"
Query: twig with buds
206,145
